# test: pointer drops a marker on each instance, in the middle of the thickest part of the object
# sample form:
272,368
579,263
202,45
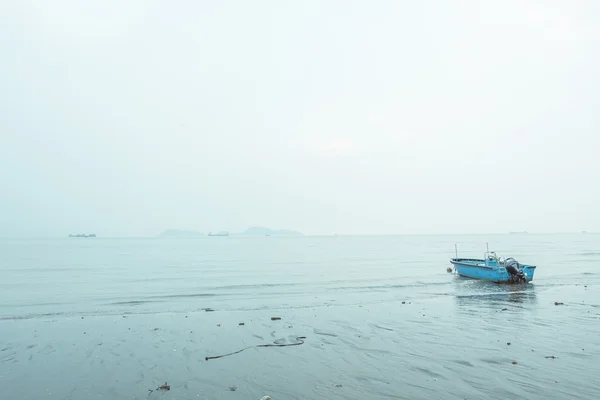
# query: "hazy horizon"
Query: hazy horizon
237,234
347,117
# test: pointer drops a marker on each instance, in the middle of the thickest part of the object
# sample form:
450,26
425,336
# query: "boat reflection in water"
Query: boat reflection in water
484,295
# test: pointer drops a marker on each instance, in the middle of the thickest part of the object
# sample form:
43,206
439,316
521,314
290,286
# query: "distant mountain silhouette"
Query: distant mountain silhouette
261,231
179,233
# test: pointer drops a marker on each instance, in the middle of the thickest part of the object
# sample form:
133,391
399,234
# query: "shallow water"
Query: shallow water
113,318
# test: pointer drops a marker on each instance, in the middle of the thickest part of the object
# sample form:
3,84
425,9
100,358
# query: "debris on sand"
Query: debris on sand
162,387
299,341
552,357
556,303
449,270
505,309
233,388
514,363
241,324
508,344
275,319
208,309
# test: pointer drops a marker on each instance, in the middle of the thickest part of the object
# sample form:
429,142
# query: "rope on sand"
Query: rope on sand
300,340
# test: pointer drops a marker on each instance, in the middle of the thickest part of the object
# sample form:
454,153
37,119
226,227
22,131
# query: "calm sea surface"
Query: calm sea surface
115,318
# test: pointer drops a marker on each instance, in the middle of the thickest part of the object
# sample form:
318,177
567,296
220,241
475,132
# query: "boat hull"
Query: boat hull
479,269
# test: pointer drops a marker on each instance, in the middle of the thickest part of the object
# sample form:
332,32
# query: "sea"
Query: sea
310,317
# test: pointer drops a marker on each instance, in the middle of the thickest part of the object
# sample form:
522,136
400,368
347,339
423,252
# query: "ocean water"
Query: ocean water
382,319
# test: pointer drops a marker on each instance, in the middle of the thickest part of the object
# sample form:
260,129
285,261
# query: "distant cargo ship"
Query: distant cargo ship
83,235
222,233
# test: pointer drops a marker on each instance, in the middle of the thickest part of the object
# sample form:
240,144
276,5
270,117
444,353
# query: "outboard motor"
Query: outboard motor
514,270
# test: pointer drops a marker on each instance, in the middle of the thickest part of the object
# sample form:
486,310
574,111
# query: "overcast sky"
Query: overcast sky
125,118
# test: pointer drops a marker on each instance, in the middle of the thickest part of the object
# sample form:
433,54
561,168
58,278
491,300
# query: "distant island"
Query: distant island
179,233
261,231
82,235
220,233
252,231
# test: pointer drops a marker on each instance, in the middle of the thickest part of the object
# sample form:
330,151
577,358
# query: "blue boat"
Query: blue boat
493,268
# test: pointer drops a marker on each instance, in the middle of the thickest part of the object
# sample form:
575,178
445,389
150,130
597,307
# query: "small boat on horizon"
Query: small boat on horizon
493,268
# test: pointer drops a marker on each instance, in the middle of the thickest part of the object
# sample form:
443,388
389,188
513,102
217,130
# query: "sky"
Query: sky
125,118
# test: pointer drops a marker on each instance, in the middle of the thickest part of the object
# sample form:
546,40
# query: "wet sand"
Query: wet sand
430,348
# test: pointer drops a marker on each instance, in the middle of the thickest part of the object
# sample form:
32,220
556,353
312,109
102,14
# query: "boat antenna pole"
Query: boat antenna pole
455,250
488,246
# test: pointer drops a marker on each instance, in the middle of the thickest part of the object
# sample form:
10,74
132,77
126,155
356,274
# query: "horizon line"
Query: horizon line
306,235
